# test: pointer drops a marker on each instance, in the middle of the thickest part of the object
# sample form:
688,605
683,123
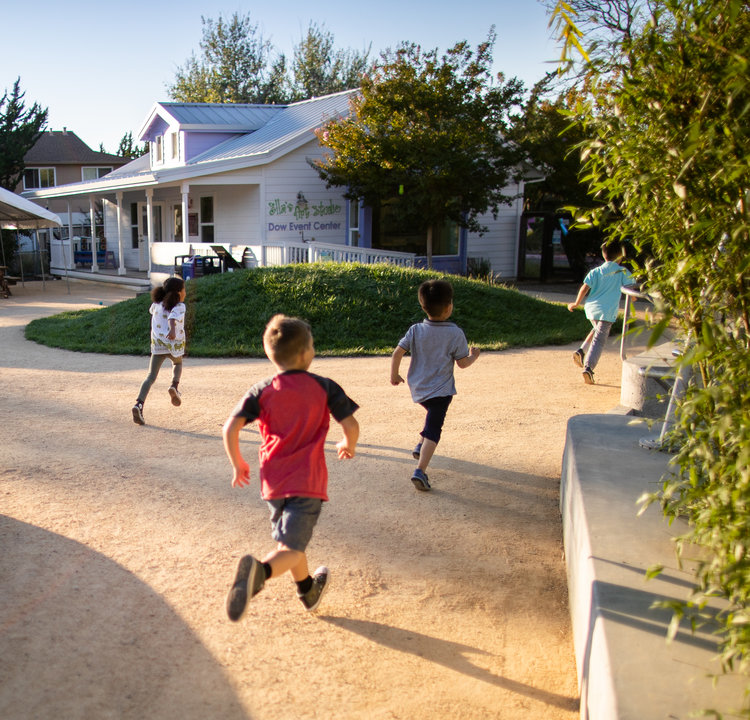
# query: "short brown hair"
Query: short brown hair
611,250
285,338
435,296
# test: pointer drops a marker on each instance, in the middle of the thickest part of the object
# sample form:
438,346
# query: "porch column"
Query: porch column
69,259
185,193
92,213
149,225
120,254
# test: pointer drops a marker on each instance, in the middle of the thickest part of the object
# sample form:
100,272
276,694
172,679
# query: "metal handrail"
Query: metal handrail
631,293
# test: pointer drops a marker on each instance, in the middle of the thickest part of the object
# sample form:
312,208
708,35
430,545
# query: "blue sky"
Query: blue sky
99,67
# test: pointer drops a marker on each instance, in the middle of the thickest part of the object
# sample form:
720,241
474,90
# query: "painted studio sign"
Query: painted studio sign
303,216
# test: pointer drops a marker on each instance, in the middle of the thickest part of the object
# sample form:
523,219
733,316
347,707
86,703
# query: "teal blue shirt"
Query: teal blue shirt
605,281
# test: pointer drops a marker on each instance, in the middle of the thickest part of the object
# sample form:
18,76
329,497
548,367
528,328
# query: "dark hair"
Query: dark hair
168,294
612,250
286,337
435,296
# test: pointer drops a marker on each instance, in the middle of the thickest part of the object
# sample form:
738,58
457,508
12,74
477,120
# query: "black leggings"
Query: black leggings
436,408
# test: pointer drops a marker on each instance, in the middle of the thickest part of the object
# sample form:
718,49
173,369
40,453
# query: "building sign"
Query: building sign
303,216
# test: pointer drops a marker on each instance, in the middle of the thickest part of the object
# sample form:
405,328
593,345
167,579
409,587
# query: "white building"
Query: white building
239,177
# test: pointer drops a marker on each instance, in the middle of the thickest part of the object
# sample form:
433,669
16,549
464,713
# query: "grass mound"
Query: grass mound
353,310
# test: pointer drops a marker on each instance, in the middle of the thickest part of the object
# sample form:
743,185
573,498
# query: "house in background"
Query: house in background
60,157
240,177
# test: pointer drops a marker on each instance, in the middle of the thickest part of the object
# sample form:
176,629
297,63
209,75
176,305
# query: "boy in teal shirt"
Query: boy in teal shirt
601,293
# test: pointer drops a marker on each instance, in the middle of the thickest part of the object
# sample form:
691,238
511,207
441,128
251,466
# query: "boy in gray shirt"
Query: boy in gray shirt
435,345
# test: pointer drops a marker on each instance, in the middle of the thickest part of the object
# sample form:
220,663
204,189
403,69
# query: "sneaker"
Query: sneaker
588,376
249,575
138,414
311,599
419,478
417,451
578,356
176,396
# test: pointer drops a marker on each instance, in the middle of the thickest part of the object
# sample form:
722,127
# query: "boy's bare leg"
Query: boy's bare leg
283,559
425,455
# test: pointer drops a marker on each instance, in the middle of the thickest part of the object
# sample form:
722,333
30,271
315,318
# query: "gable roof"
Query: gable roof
62,147
208,117
286,128
297,121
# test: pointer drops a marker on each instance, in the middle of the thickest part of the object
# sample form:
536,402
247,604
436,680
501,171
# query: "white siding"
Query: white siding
500,244
326,208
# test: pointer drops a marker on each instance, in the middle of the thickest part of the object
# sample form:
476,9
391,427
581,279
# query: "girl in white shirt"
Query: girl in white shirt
167,340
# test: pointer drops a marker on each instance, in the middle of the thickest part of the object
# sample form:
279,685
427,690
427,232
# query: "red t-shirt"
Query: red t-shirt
292,410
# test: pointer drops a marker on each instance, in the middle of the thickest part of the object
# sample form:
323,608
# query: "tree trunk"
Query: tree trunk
429,247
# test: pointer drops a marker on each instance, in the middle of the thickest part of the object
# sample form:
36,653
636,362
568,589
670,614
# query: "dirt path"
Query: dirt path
118,543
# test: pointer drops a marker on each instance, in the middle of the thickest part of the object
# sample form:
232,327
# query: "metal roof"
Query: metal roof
296,121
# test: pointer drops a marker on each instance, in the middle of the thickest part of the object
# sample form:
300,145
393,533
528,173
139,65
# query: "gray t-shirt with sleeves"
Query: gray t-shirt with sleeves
434,347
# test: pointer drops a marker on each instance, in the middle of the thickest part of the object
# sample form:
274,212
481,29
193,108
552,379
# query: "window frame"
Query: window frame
38,172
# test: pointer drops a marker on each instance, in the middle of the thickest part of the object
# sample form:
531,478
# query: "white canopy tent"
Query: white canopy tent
18,213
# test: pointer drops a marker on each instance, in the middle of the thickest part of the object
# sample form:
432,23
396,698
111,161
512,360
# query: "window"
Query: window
354,208
39,178
175,145
392,233
94,173
207,219
158,148
134,225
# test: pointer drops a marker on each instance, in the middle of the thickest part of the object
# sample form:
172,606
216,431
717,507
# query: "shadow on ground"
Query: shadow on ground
127,626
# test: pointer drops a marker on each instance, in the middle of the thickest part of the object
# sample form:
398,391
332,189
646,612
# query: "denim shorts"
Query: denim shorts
293,520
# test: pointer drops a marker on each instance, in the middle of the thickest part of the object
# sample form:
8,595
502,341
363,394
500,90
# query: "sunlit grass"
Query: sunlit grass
353,310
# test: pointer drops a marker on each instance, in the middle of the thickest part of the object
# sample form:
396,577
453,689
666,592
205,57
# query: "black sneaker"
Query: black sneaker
138,414
417,451
311,599
588,376
419,478
578,357
249,575
176,396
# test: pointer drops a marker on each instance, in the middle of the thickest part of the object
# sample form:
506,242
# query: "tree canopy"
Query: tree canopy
318,69
20,128
237,65
426,136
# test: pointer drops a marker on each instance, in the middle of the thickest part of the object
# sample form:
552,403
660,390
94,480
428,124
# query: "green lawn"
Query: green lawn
353,310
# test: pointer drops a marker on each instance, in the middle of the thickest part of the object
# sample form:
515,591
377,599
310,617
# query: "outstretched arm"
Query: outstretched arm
398,353
469,359
347,446
231,435
582,292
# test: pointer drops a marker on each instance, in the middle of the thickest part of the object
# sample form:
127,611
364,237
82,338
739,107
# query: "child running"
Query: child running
292,409
435,346
167,340
601,293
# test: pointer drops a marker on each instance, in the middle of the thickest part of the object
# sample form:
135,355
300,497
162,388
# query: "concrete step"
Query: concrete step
626,668
647,379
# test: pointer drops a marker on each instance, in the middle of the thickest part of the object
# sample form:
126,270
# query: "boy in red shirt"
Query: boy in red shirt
292,409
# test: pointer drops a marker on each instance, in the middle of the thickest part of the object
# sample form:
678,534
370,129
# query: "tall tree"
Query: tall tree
318,69
233,68
129,149
426,136
20,128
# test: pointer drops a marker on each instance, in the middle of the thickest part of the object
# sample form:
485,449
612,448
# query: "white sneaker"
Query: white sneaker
176,396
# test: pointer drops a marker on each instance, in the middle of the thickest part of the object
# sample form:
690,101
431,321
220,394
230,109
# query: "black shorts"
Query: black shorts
436,408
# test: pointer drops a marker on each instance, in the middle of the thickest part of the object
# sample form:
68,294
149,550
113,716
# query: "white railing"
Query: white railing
287,252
